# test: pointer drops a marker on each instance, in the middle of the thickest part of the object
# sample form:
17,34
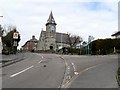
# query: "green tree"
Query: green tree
8,40
105,46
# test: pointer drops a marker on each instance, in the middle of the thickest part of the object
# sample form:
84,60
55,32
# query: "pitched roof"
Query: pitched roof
31,40
116,34
60,37
51,19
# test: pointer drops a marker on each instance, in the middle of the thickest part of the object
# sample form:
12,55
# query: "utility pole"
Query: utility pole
1,47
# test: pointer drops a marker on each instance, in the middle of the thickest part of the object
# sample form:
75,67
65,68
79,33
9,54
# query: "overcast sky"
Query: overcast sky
79,17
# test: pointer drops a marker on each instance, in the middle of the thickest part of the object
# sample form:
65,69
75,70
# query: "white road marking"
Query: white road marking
41,56
21,71
76,73
40,61
69,77
66,85
88,69
68,67
68,70
59,86
74,66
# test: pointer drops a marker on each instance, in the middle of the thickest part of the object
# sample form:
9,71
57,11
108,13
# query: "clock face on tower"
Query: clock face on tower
52,28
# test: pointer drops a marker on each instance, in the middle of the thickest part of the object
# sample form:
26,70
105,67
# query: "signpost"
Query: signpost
15,43
15,35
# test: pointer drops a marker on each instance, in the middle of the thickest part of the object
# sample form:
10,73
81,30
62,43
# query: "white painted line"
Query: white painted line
68,70
69,77
74,67
41,56
59,86
63,85
40,61
76,73
68,67
66,85
21,71
89,68
72,63
75,70
66,63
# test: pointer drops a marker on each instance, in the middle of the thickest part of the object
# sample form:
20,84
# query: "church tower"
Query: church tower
50,42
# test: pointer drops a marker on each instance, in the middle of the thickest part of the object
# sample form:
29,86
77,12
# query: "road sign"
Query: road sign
15,35
15,43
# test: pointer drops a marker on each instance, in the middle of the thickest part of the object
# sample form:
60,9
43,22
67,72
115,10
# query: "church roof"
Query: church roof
51,19
59,37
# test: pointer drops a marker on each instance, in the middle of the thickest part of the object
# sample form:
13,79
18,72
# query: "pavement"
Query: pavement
10,59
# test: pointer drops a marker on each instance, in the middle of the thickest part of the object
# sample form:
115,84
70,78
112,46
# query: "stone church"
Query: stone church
50,39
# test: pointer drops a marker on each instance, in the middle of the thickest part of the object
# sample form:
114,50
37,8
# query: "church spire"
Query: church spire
51,19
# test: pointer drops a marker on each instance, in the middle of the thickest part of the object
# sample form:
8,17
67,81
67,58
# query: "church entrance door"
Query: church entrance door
51,47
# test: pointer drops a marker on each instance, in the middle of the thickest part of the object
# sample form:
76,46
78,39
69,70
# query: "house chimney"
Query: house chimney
33,37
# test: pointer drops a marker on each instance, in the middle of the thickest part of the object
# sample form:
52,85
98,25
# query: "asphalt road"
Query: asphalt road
31,73
61,71
91,71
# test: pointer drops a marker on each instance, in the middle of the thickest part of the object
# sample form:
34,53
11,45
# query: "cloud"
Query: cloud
88,17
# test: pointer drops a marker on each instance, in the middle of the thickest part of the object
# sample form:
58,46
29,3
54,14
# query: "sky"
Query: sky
98,18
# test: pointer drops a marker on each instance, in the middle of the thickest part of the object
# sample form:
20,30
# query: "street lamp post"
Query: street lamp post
90,39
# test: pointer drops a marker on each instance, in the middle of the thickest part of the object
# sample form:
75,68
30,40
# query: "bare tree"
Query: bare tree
7,29
1,31
73,40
